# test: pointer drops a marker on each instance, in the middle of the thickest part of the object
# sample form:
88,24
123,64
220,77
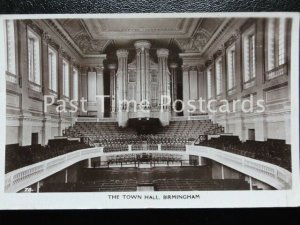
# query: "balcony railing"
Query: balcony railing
268,173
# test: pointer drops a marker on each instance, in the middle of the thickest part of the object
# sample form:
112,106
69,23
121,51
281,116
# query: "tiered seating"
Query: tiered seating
272,151
19,156
96,186
128,185
173,137
190,128
203,185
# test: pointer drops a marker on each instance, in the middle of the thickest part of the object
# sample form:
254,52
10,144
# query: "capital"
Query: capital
112,66
99,69
162,52
173,65
46,37
122,53
142,44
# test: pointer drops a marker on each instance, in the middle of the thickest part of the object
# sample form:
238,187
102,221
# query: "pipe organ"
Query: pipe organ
141,83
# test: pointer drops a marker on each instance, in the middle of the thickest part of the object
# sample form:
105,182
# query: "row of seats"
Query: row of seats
159,185
143,157
19,156
272,151
108,134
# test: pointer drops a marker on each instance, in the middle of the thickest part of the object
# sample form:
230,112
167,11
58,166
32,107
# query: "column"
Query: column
122,82
260,121
60,73
45,62
112,69
83,89
164,84
185,88
260,128
46,130
25,123
99,91
173,67
71,78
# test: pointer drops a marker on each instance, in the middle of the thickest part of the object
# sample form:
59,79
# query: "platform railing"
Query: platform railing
18,179
271,174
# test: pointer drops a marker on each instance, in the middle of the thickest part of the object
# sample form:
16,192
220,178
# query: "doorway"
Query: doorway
35,138
251,134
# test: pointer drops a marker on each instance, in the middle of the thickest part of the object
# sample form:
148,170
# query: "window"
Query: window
219,76
249,55
75,84
209,84
231,67
66,90
52,66
276,42
33,42
10,47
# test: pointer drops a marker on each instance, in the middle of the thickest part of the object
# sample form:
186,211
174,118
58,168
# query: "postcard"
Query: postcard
180,110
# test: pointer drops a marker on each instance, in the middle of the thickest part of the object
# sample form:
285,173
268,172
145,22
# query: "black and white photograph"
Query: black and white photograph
151,109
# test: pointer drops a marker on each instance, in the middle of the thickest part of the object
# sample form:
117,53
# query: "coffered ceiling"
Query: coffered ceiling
93,36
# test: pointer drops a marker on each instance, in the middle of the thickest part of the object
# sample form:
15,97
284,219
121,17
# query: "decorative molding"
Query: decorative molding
88,45
46,37
196,43
208,63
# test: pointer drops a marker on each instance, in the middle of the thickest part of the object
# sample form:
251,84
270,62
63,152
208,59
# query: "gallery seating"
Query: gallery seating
273,151
19,156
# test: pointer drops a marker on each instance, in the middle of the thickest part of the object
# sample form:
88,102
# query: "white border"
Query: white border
209,199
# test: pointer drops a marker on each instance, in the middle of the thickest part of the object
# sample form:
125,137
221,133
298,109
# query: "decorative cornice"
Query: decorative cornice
34,27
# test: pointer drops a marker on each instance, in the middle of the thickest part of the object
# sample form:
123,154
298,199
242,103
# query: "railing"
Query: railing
26,176
271,174
94,119
198,117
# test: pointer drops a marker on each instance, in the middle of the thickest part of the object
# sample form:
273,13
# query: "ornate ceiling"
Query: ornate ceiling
93,36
